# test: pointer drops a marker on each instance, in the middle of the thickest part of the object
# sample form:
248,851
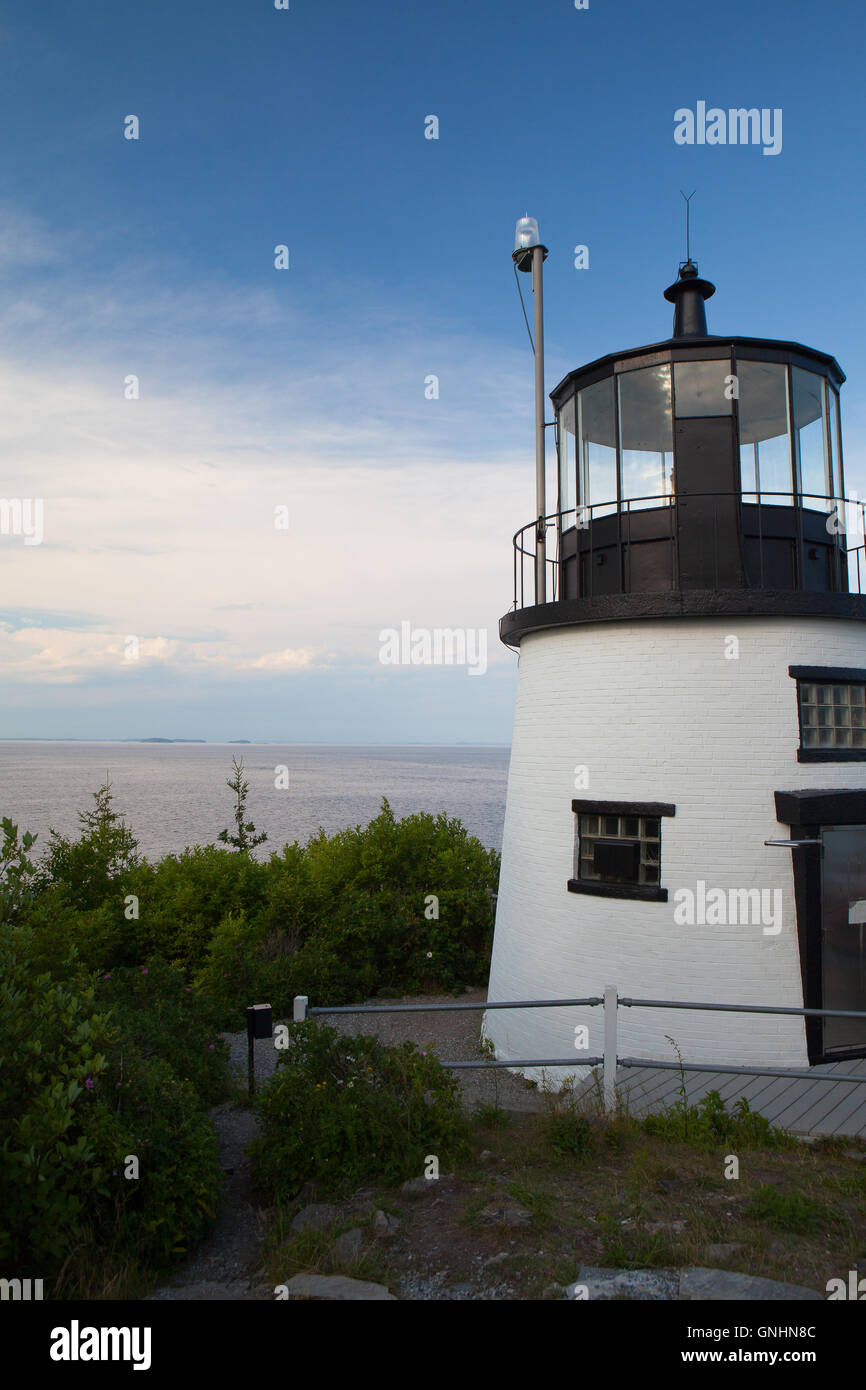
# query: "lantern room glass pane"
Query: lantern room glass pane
765,455
597,431
810,437
700,387
567,464
835,447
646,437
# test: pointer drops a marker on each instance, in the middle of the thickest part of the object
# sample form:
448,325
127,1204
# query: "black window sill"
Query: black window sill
643,892
831,755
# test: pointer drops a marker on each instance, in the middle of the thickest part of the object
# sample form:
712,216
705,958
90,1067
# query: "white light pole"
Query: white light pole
530,255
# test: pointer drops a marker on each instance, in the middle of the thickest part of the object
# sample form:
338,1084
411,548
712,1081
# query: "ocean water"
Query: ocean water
174,795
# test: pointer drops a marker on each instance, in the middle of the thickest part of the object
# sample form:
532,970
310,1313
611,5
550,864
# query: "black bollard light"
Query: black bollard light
260,1024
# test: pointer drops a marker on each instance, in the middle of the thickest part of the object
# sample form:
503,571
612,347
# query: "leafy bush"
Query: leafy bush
141,1107
346,917
709,1123
17,872
346,1110
184,897
53,1046
77,1096
153,1008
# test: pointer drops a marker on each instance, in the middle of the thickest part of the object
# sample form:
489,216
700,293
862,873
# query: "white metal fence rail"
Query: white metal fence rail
611,1002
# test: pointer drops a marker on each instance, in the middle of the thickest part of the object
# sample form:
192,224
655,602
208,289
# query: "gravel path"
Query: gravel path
225,1265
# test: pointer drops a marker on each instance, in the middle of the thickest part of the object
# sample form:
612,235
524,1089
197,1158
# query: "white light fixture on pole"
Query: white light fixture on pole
529,255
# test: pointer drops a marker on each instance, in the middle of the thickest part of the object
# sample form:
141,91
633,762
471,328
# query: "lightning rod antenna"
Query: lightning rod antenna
688,210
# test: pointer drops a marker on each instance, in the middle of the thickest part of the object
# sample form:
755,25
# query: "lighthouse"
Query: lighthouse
686,805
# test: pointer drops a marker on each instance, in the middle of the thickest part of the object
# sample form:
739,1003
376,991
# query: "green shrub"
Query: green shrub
101,936
184,897
142,1108
77,1096
710,1123
154,1008
17,872
53,1049
346,1110
344,918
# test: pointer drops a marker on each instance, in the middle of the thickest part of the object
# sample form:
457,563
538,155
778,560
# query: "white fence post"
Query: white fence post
300,1008
609,1070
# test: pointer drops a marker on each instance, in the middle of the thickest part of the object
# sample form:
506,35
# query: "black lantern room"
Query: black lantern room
698,475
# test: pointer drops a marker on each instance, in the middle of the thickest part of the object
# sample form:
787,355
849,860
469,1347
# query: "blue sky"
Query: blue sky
305,388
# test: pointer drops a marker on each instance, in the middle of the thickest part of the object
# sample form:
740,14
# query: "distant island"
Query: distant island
162,740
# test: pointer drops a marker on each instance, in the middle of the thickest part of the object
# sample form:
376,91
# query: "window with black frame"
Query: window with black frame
618,849
831,704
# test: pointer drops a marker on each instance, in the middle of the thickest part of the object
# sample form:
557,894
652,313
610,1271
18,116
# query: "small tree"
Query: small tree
90,867
246,838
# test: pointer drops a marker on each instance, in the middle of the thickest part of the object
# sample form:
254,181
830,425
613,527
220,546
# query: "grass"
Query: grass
311,1251
619,1193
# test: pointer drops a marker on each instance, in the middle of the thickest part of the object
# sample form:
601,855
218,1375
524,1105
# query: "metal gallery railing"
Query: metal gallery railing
591,527
610,1001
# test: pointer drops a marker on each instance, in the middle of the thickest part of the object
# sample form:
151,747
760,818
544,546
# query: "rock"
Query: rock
317,1217
721,1285
858,1154
505,1214
414,1187
347,1247
384,1224
459,1290
724,1251
776,1248
638,1285
497,1259
485,1156
338,1287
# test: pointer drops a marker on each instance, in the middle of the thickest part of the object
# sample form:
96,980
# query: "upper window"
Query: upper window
832,707
703,388
765,453
810,439
567,473
646,436
618,849
597,429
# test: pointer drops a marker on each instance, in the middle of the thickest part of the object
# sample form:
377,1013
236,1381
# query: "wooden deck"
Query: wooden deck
804,1107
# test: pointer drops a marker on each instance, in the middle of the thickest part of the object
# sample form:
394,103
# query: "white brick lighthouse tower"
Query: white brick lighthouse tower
691,693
